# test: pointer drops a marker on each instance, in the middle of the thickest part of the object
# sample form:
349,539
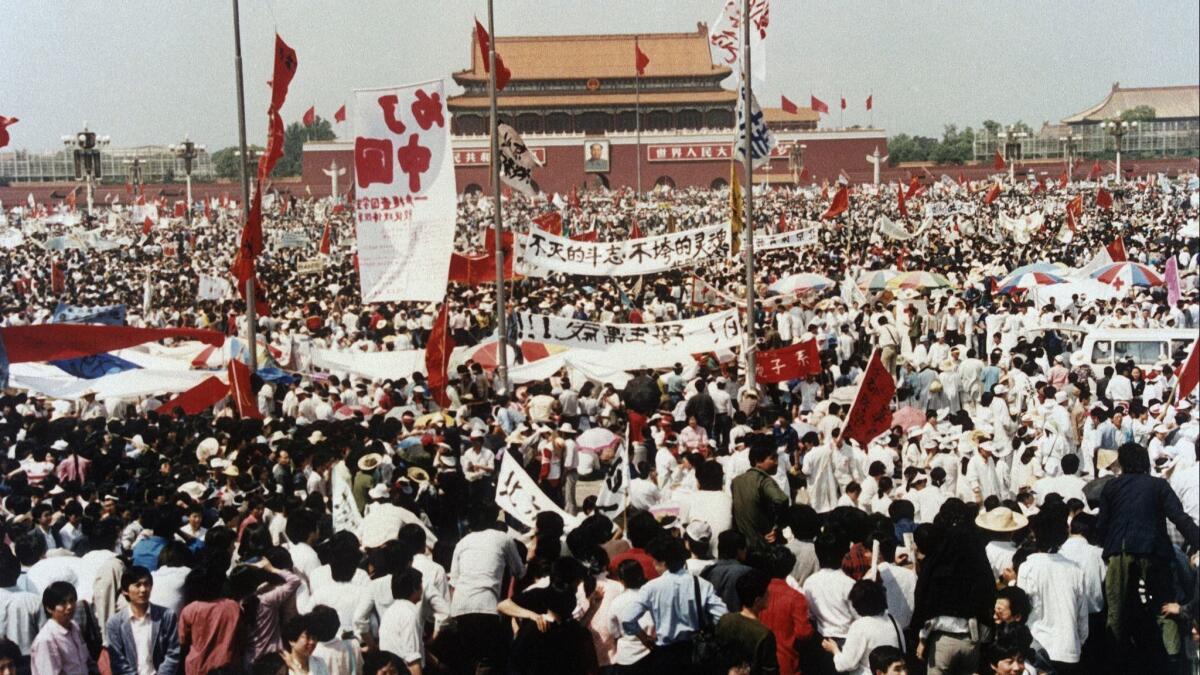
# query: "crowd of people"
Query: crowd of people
1029,511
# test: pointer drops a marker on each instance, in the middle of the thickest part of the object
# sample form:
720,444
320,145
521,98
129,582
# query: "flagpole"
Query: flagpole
637,113
748,203
251,320
497,220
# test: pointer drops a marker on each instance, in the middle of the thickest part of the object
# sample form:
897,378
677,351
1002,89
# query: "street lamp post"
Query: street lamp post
1117,129
86,147
1069,145
135,174
796,161
1012,149
187,151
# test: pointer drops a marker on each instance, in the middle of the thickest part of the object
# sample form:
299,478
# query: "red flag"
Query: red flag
1116,250
871,413
5,123
55,341
550,221
283,72
180,209
147,225
584,236
197,399
1041,184
639,58
992,193
340,115
1074,211
843,103
962,178
1189,377
58,278
840,203
1095,172
635,232
503,74
437,357
900,199
481,269
71,199
789,363
323,249
788,106
573,199
783,223
818,105
1104,199
999,162
914,186
241,390
1063,180
310,116
869,101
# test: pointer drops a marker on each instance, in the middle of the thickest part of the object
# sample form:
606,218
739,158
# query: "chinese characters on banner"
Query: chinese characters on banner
520,497
762,139
871,413
404,192
789,363
703,152
726,34
707,333
516,161
624,258
769,242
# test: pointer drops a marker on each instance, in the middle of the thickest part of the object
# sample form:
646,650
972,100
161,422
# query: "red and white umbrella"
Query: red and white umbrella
1124,275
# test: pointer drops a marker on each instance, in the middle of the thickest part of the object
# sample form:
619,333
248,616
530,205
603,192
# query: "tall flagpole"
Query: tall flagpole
497,220
251,320
748,201
637,108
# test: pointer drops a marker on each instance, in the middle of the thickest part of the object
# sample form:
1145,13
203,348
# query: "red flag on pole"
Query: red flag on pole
869,101
5,123
788,106
1116,250
635,232
58,279
901,201
284,71
503,74
843,103
640,59
789,363
992,193
914,186
324,248
783,223
871,413
340,115
1074,211
549,221
841,202
197,399
1104,199
437,357
818,105
1096,171
310,116
999,162
241,390
1190,375
1063,180
147,225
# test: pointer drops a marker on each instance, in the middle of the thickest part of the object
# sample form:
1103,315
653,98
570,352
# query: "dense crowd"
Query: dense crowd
1029,510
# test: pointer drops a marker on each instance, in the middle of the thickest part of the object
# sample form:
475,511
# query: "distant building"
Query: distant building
156,162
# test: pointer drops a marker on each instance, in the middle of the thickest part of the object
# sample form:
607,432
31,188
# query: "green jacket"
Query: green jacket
757,501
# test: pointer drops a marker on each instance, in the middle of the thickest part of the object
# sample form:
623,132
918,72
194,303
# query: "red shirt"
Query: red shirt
787,617
639,554
210,630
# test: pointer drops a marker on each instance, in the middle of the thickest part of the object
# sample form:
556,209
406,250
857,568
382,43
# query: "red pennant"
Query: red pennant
789,363
640,60
840,203
325,246
241,390
197,399
437,357
340,115
283,72
992,193
818,105
788,106
871,413
999,162
870,101
310,117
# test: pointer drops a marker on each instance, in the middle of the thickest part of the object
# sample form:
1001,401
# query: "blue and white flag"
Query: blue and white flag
762,139
108,315
96,365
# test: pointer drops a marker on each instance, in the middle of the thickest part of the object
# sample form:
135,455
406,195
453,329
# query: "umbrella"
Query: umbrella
348,411
432,418
485,353
642,395
1028,280
908,417
876,280
1053,268
597,440
799,283
1124,274
918,280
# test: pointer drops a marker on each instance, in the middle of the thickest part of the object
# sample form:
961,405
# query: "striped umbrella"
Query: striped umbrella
1023,282
1053,268
799,283
485,353
918,280
876,280
1125,274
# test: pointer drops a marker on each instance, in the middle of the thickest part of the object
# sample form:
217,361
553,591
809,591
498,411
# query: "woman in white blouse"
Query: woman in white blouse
874,628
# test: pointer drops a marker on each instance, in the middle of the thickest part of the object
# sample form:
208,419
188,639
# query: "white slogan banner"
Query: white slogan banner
404,192
291,240
614,494
762,139
516,161
899,232
624,258
726,35
1024,227
701,334
770,242
520,497
213,288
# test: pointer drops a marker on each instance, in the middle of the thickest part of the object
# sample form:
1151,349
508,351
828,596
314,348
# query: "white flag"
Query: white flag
614,494
516,161
762,139
519,496
726,35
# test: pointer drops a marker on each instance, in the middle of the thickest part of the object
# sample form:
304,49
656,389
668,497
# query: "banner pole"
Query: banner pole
748,202
497,219
251,319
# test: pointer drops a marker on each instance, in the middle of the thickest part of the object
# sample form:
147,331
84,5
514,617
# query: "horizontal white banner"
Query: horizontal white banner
625,258
721,330
769,242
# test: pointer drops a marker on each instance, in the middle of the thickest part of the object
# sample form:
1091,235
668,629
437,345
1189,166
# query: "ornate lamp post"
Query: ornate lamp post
187,151
1012,149
1117,129
86,147
1069,143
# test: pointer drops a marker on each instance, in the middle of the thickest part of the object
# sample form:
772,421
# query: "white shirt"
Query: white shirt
483,458
400,632
1059,620
1186,483
901,586
477,570
1091,562
643,494
143,630
167,590
630,650
865,634
828,593
435,591
342,596
1068,486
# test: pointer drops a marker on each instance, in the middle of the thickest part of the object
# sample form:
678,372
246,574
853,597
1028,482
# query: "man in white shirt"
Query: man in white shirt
899,582
478,464
400,628
1068,485
480,561
1059,620
828,590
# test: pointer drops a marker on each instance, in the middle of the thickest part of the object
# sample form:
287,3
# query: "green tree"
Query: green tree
1139,113
294,139
225,161
992,127
905,148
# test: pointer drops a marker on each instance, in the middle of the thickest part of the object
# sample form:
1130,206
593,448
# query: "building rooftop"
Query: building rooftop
566,57
1168,103
779,115
592,100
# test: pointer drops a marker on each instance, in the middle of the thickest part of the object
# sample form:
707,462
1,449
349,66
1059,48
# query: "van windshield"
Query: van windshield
1145,352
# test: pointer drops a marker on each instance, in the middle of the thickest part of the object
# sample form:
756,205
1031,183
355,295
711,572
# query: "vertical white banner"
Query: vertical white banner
404,192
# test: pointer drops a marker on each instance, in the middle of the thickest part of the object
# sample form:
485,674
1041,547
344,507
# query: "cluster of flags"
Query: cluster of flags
817,105
310,115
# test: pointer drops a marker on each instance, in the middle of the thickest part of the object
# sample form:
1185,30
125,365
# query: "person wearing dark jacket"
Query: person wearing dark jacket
1134,510
139,626
702,407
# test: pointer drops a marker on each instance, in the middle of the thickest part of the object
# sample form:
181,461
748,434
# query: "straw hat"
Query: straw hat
1001,519
417,475
369,461
1105,458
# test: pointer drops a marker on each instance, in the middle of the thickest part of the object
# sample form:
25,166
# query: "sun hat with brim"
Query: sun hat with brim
369,461
1001,519
231,471
194,489
1106,458
417,475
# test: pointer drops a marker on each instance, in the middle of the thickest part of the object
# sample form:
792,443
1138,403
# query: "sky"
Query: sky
149,72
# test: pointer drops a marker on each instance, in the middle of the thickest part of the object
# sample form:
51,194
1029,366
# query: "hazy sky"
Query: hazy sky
148,71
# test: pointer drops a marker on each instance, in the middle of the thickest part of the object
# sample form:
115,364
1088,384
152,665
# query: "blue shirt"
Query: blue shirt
671,601
145,552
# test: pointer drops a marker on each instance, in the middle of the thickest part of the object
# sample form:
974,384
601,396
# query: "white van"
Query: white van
1144,346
